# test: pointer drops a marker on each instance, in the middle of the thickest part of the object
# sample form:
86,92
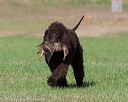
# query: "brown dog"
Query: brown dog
61,47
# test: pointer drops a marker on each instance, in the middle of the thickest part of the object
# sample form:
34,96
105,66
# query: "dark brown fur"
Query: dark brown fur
57,32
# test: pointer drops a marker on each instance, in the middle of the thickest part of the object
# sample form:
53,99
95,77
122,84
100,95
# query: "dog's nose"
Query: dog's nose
47,49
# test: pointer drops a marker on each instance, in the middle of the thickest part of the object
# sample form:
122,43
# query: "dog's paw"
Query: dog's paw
51,82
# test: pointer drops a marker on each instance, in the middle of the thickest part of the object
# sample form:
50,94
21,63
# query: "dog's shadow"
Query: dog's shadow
85,84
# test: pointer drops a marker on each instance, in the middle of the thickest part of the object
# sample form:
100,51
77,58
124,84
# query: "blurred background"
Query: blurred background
32,17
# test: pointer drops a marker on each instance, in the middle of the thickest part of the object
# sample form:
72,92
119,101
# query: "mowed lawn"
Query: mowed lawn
23,77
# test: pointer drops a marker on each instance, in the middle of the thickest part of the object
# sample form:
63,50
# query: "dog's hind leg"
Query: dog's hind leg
78,67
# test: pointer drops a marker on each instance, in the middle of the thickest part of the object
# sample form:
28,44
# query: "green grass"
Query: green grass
35,5
55,3
24,78
38,8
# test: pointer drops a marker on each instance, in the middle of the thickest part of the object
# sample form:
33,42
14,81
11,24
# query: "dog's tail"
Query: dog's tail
74,29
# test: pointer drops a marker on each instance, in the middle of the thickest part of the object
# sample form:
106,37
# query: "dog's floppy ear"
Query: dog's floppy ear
44,35
74,29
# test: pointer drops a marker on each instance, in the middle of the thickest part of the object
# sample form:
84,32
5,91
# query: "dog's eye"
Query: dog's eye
61,36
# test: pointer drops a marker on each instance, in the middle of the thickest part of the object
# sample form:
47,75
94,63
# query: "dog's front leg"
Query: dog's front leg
58,77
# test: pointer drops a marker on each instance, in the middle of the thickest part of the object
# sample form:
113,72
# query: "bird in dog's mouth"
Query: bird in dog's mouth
49,48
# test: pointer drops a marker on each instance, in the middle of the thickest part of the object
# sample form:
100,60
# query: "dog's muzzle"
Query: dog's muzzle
49,49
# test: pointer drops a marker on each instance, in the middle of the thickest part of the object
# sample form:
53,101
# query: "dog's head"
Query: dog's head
52,40
54,33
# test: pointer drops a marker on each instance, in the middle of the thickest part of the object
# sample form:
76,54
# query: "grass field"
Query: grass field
23,77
